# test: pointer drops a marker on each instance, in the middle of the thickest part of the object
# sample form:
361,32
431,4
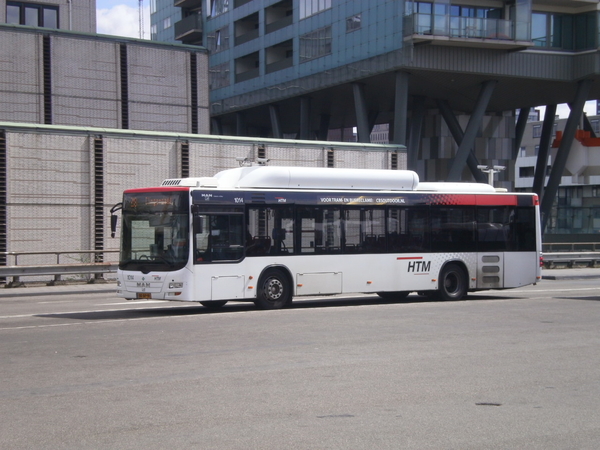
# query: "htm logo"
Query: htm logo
419,266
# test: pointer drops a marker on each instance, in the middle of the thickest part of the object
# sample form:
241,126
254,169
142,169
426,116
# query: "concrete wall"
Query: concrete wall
85,87
51,175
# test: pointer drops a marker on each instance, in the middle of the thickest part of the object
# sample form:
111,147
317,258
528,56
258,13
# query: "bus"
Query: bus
267,234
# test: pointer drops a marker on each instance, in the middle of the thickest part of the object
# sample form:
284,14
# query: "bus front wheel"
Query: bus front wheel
452,283
274,290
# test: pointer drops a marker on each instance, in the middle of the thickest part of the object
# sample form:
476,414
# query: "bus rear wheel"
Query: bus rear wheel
274,290
214,304
452,283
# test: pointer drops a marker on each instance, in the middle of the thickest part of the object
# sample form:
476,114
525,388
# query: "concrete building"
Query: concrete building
164,18
58,77
575,216
446,76
72,15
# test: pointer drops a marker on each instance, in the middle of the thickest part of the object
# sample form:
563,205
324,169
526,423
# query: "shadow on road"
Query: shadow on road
236,307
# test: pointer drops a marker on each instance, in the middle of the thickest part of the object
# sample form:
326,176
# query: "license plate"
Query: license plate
143,295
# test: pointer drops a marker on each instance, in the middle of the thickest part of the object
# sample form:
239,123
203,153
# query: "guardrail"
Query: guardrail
570,247
16,271
555,260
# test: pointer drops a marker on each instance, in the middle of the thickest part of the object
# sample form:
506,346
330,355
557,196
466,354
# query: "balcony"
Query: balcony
246,29
188,4
465,31
278,16
189,29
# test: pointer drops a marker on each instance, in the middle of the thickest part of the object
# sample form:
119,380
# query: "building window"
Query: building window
526,172
537,131
219,40
218,76
311,7
280,56
595,125
315,44
32,15
523,151
217,7
166,23
353,23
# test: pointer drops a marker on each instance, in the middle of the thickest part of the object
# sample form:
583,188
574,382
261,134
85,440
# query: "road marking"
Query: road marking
133,302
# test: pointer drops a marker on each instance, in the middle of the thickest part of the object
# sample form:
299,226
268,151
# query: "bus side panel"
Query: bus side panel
520,268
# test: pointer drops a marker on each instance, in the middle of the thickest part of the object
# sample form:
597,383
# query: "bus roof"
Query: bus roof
278,177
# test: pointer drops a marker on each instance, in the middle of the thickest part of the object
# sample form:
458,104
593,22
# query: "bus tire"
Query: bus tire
214,304
274,290
452,284
395,295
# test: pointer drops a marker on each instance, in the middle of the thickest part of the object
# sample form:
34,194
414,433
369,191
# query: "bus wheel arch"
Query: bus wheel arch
274,288
453,281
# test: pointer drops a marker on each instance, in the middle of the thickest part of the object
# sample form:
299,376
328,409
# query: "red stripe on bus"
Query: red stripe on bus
157,189
409,257
497,200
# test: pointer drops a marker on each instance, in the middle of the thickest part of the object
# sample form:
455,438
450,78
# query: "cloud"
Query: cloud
122,20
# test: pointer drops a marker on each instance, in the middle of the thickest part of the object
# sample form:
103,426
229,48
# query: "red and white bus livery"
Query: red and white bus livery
267,234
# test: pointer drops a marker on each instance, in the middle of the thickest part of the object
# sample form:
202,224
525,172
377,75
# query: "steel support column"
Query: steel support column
462,153
362,115
400,109
305,118
418,116
275,122
520,131
541,164
558,165
458,135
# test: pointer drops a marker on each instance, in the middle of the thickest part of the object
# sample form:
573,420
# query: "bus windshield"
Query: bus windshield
155,231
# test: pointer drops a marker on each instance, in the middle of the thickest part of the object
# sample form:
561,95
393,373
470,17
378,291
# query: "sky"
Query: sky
122,18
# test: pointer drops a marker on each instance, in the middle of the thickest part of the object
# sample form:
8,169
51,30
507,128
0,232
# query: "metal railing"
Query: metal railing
15,270
571,254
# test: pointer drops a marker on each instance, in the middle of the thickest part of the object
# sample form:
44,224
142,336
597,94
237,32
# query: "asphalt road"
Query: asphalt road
518,369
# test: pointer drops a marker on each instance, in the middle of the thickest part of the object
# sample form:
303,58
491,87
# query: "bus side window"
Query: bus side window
201,230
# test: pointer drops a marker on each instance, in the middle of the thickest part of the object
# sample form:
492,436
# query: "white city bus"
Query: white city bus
267,234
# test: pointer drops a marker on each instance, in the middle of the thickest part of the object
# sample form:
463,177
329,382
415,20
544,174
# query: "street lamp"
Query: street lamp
491,170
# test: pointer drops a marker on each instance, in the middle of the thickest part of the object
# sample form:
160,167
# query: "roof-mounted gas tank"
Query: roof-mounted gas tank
274,177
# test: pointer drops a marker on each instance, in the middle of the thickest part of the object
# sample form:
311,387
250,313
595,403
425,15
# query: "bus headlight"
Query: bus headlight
175,285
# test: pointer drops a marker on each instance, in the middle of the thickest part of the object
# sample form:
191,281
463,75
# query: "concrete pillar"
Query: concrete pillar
275,122
362,116
520,130
215,125
458,135
305,118
240,124
462,153
541,164
558,165
400,109
324,121
418,116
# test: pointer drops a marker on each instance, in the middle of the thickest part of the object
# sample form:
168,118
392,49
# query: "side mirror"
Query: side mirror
114,218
